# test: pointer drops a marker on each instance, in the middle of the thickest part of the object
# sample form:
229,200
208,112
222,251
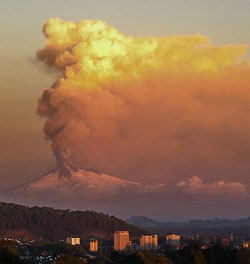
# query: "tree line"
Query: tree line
55,224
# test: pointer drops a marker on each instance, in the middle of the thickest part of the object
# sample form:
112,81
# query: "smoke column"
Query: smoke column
131,106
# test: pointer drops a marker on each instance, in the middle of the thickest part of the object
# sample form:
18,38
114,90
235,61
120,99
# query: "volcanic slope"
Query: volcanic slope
67,182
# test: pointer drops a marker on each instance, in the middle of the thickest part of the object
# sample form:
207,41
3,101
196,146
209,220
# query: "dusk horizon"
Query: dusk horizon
135,109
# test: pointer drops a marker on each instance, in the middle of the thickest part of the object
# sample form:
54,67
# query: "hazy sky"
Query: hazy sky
25,154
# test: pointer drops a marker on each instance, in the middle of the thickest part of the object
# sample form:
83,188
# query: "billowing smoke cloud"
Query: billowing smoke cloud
140,107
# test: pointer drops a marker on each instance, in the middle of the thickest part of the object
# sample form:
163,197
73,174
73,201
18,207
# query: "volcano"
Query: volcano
67,182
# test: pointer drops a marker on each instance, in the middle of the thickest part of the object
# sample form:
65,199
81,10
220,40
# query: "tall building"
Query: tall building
93,245
173,240
121,241
73,240
148,242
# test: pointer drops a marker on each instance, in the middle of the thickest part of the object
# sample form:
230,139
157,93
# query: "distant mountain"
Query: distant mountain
142,221
67,182
145,222
212,228
54,224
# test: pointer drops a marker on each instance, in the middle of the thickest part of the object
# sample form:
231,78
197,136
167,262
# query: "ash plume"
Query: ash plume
137,106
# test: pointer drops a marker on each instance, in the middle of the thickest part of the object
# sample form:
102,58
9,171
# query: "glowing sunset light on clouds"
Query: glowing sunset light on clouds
121,99
163,118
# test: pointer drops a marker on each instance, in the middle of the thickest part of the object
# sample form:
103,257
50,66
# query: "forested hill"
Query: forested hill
54,224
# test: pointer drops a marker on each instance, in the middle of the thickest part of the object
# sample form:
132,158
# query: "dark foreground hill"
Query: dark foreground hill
54,224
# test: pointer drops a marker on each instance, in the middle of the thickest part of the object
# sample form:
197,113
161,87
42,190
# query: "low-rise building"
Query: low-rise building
245,245
173,240
73,241
225,241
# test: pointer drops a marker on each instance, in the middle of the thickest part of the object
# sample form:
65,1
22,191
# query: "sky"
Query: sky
209,152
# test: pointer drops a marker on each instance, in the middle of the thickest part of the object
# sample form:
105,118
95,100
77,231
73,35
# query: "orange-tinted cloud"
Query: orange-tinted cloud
196,186
145,107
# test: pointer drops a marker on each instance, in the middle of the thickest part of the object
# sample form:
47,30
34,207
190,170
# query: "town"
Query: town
122,249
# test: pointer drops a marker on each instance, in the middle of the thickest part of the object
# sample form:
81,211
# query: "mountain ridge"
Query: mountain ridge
145,222
55,224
